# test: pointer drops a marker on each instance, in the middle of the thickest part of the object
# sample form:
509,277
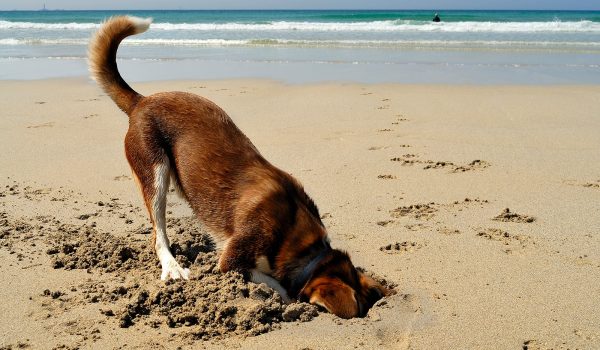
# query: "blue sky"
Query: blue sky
302,4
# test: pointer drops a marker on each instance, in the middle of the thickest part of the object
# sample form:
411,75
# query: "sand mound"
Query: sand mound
211,303
507,216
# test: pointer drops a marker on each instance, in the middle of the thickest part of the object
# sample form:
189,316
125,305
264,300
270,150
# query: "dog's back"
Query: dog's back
210,158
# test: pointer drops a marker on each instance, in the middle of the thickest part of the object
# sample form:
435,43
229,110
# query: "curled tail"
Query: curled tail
103,58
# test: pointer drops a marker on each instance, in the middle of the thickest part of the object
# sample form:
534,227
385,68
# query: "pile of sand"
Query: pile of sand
508,216
211,304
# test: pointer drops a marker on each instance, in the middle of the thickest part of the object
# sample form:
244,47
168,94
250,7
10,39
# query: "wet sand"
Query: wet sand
479,204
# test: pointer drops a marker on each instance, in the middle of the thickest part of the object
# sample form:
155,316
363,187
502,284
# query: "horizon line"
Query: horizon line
311,9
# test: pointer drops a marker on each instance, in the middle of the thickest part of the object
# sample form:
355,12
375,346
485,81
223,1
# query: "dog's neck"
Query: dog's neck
306,267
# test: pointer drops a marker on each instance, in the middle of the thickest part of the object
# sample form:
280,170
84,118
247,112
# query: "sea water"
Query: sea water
472,47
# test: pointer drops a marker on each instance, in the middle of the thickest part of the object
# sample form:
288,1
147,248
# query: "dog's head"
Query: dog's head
341,289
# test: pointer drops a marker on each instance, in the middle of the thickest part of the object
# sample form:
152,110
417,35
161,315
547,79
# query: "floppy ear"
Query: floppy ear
371,290
334,295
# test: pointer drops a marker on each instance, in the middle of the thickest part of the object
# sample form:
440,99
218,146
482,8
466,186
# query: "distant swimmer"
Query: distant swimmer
436,18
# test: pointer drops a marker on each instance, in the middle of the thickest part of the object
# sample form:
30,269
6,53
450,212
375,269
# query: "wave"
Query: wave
375,26
129,42
392,26
48,26
385,44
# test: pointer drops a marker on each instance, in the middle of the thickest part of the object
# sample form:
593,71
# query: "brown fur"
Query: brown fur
257,208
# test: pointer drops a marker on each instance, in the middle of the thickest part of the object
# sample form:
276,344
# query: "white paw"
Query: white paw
171,269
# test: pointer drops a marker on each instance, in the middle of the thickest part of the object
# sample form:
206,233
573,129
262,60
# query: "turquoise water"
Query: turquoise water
537,46
190,16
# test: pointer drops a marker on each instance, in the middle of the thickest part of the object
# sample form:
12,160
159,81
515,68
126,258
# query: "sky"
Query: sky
302,4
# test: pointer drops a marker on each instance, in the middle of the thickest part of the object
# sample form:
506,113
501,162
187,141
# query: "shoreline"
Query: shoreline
166,82
477,72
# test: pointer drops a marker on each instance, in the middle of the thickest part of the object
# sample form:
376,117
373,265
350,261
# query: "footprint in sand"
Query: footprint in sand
590,184
415,227
474,165
438,165
416,211
44,125
496,234
539,345
122,178
401,247
384,223
593,184
326,216
448,231
412,159
400,118
426,211
375,148
406,159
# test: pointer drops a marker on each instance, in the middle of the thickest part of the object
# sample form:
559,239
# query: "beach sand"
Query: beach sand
413,181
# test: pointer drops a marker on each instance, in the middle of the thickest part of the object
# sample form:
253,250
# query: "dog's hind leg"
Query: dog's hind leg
152,172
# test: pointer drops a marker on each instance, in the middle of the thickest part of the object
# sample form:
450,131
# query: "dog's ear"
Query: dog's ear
334,295
371,291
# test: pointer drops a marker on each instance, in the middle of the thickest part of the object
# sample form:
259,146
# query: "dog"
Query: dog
271,229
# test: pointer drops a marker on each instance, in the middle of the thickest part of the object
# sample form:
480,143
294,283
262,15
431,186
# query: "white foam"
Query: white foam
392,26
436,44
50,26
375,26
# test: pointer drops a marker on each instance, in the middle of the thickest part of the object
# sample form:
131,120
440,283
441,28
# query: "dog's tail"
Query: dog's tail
103,58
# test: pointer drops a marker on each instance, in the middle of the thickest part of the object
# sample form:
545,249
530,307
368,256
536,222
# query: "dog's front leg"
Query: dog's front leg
238,255
257,276
154,186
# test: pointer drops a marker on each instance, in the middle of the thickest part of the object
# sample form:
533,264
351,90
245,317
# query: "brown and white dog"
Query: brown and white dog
270,227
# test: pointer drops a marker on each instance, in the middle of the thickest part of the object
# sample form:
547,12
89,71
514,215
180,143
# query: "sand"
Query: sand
480,205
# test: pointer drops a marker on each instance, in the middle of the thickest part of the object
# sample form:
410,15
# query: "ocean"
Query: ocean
466,47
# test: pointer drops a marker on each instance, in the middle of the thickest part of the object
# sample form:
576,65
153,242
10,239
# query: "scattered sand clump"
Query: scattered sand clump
401,247
417,211
507,216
